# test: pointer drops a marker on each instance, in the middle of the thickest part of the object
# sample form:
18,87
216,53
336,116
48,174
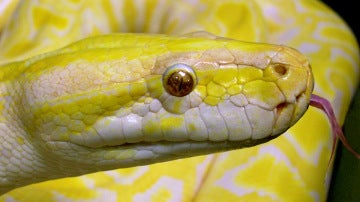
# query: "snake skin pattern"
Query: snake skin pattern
292,167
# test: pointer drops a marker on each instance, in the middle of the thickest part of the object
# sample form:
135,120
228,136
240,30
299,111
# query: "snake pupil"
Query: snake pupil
179,83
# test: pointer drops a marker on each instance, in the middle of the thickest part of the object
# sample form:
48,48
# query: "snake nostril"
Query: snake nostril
280,69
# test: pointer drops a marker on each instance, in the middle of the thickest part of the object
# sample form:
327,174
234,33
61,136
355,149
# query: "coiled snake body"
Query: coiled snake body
122,100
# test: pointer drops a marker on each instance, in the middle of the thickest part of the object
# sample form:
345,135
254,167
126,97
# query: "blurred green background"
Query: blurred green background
345,185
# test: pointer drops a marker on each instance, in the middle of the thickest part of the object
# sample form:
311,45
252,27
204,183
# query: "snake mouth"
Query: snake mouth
191,144
179,148
235,144
186,144
141,153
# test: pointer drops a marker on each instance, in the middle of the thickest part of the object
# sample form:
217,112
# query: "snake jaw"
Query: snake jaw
87,159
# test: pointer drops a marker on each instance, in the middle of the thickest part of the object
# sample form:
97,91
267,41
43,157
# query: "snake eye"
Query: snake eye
179,80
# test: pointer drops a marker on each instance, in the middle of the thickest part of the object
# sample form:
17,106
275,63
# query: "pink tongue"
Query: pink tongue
324,105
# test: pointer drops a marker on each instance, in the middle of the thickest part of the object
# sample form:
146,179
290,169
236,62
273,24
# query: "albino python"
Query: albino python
128,100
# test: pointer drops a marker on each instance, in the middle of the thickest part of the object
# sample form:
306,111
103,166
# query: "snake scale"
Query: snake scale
121,98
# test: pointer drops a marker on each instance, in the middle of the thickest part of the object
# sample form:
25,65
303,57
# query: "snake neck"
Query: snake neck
24,159
20,160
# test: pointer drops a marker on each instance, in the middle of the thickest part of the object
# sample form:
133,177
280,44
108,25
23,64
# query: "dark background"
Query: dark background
349,11
345,185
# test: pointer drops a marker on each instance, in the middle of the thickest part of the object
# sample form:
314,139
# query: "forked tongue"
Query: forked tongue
324,105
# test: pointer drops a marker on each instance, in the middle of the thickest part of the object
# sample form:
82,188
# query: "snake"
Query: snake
159,100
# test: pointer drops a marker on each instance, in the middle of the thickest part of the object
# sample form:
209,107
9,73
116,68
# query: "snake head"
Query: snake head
122,100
